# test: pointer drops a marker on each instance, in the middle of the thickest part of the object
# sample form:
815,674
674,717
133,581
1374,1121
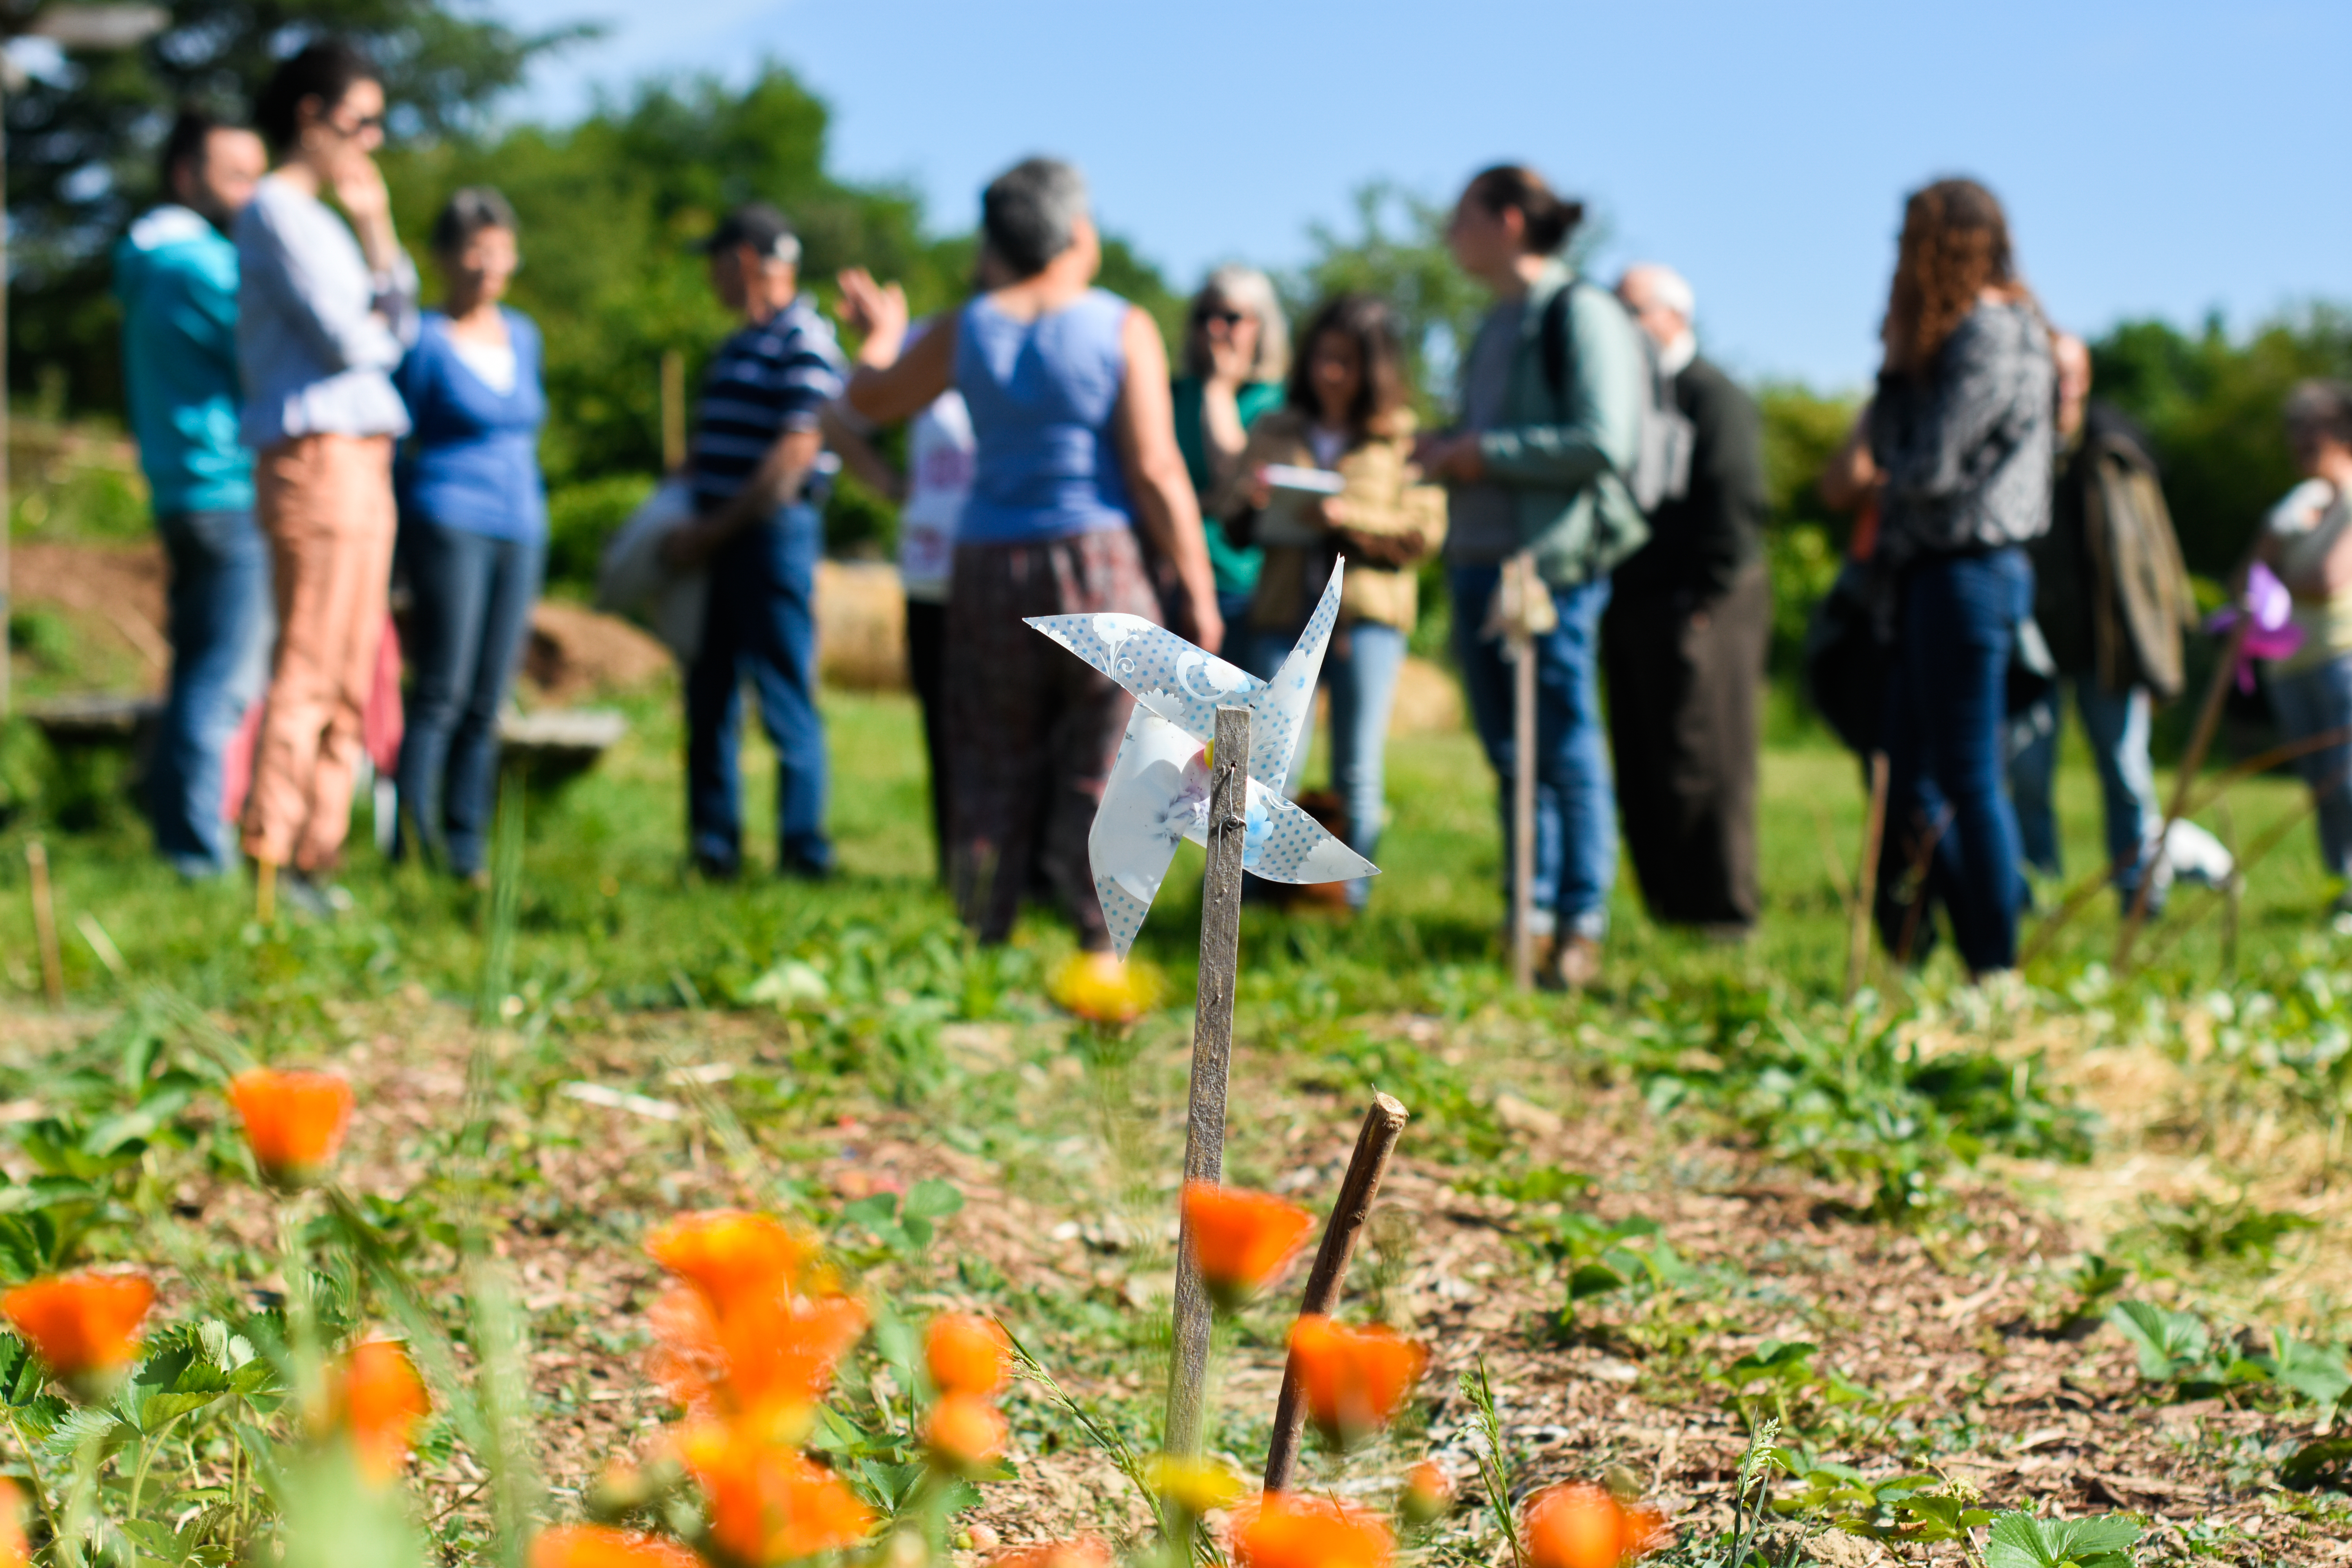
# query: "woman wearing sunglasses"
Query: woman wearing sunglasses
325,310
1237,355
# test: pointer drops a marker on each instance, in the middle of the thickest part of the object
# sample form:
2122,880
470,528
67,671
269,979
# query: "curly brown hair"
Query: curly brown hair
1955,245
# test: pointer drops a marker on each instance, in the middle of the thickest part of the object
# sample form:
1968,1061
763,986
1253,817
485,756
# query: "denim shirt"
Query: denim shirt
317,332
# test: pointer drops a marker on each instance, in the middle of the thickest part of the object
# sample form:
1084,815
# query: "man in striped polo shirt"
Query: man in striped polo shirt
760,475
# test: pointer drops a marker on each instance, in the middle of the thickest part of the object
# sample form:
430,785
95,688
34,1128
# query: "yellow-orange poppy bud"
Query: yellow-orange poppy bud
83,1326
967,1354
965,1433
1353,1380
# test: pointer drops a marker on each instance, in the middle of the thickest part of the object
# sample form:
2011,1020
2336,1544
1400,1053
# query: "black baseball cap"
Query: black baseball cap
759,226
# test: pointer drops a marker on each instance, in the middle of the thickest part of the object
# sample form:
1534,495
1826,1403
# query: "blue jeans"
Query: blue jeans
2310,703
1576,803
221,631
2115,723
1362,667
760,626
471,609
1944,727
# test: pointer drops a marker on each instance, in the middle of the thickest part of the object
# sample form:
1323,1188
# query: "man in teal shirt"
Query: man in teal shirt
175,273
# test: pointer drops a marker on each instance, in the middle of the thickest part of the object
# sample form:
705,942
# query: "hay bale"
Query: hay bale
1428,701
574,650
861,626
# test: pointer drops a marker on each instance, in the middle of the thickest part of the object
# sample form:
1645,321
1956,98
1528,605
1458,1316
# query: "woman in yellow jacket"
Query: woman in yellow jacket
1346,416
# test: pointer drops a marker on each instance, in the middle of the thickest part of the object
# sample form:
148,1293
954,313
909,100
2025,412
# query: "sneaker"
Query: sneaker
1574,965
716,869
799,869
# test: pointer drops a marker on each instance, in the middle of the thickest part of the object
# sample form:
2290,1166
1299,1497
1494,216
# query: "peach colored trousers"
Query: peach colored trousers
325,503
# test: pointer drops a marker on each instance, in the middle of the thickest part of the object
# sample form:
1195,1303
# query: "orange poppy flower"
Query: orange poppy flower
968,1354
965,1433
1282,1530
14,1552
81,1325
1085,1552
1353,1380
768,1504
766,1362
1428,1493
379,1400
1242,1240
601,1546
1582,1526
733,1257
294,1121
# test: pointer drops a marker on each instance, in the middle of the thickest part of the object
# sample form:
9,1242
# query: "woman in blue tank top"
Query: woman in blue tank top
1067,387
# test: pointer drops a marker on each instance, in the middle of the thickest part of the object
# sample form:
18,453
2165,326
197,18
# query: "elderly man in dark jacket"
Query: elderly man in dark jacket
2112,599
1684,643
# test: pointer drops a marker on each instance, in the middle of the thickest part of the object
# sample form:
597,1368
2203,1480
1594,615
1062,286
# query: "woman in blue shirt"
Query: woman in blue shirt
473,526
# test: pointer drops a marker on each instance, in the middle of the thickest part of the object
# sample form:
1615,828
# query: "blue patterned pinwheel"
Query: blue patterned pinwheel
1158,788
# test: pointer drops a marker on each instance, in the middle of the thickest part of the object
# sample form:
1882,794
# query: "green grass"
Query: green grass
608,908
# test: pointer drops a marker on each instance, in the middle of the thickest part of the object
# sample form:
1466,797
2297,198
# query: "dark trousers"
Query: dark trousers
927,669
1685,683
1951,832
221,628
760,626
1031,730
471,597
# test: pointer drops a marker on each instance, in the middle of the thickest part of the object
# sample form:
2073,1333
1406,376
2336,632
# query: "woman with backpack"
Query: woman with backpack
1961,436
1347,413
1553,391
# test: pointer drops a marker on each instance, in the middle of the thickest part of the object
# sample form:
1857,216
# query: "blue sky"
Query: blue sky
2155,158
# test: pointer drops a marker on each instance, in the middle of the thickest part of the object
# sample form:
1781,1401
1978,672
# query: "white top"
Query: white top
318,333
940,451
492,363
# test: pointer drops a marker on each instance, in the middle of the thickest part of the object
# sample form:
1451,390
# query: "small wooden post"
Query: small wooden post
1523,810
673,410
1382,1125
44,923
1865,881
2209,719
1212,1046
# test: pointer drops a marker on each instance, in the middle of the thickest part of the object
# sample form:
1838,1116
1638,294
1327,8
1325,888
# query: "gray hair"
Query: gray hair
1672,289
1245,289
2322,408
1029,214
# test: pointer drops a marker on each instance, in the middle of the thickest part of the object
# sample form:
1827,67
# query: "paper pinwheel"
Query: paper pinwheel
1158,789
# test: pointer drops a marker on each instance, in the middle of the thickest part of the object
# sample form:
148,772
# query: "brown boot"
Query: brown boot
1575,964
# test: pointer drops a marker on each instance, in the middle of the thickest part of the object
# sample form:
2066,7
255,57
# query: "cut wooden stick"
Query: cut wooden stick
1865,893
2209,719
1523,811
265,890
1384,1124
44,923
1212,1046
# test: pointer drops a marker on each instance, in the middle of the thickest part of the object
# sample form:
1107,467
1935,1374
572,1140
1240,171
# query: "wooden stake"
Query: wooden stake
1865,886
2230,888
2209,719
1212,1046
44,923
673,410
1384,1124
265,890
1523,810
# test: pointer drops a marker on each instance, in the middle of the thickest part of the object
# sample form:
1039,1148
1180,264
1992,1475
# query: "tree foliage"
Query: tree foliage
82,146
2210,405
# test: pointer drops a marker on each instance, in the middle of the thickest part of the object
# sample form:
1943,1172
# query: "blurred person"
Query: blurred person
930,495
326,310
1683,640
2307,541
175,273
1553,389
2111,597
473,527
756,467
1347,410
1237,358
1068,389
1962,429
